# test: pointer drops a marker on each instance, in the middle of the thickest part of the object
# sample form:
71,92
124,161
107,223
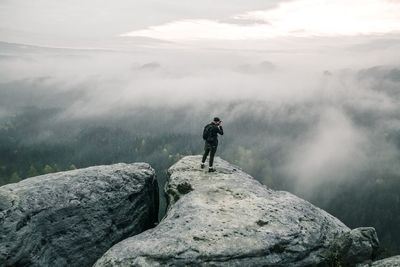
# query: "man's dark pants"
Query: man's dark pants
209,148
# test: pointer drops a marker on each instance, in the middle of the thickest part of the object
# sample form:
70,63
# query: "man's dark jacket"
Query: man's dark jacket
213,137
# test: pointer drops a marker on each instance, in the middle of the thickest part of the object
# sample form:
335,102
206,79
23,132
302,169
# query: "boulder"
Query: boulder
71,218
355,246
228,218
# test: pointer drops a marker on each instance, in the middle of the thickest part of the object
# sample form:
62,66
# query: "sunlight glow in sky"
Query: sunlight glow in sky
302,18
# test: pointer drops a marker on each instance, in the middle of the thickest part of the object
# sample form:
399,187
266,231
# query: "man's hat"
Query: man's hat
216,119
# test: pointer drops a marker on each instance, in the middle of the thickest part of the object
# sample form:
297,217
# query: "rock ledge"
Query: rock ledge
228,218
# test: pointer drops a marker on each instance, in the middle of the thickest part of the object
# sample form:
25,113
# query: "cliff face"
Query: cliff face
71,218
228,218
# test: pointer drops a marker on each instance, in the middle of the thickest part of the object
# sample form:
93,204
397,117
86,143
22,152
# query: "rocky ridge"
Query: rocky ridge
228,218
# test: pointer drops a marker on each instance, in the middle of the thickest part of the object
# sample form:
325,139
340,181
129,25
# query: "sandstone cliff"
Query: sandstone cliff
71,218
228,218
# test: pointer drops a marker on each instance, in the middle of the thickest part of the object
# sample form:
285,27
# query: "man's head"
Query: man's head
217,120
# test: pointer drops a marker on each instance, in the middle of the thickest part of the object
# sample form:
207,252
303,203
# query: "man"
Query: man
210,136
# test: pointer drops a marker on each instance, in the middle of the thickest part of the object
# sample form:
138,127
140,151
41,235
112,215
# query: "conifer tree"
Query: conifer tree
32,171
48,169
14,178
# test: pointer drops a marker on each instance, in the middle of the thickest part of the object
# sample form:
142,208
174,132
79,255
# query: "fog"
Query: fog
310,109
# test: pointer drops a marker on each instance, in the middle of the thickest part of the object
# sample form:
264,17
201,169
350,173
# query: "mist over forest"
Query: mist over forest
318,120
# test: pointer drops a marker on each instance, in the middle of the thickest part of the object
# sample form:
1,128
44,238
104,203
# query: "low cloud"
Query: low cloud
332,149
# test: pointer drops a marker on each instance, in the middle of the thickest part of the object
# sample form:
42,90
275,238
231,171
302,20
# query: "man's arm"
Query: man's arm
220,130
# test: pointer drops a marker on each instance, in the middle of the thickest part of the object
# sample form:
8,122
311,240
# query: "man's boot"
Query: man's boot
211,169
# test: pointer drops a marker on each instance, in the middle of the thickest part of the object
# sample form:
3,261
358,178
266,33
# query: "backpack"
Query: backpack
207,132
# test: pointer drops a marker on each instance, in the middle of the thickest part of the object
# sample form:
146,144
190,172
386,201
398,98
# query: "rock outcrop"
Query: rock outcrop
228,218
71,218
388,262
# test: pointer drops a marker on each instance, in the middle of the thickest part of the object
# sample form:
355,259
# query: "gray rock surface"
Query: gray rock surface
388,262
71,218
228,218
358,245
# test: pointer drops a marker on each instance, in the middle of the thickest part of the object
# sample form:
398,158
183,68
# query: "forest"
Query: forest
34,142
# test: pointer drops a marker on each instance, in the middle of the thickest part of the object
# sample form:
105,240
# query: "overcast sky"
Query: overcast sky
76,22
103,23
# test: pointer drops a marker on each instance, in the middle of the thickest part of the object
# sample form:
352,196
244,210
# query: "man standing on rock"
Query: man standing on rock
210,136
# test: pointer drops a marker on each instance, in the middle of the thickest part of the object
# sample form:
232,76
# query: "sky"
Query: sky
302,18
73,22
100,23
